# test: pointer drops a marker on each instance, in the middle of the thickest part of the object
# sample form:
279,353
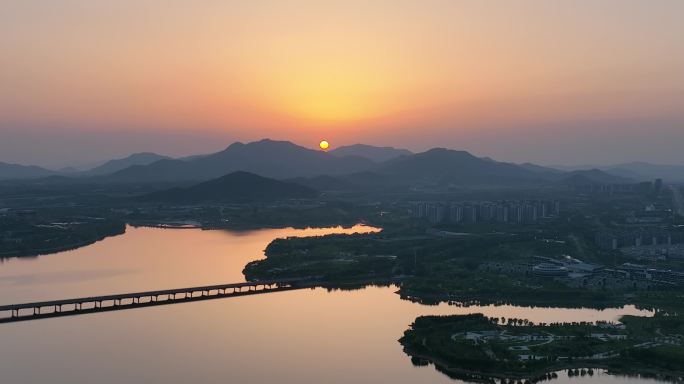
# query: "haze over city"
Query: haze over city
342,191
552,83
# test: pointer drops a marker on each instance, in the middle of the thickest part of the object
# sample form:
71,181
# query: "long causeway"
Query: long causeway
83,305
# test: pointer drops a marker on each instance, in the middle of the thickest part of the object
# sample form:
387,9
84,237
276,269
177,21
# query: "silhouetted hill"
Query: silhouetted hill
592,176
540,169
234,187
17,171
639,171
276,159
111,166
324,183
377,154
441,166
626,173
646,171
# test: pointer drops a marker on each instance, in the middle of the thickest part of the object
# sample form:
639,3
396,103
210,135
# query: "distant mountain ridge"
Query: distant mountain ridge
285,160
443,168
111,166
331,171
593,177
647,171
447,166
268,158
235,187
540,169
18,171
638,170
377,154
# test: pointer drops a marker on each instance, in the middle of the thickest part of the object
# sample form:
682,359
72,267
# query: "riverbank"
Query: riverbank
59,238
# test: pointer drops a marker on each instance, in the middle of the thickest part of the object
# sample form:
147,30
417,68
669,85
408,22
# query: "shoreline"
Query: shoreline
61,248
443,366
36,252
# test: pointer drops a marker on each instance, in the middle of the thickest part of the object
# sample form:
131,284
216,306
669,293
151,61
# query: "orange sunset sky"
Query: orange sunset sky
547,81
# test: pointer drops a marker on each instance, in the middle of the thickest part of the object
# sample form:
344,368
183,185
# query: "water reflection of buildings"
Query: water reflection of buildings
514,212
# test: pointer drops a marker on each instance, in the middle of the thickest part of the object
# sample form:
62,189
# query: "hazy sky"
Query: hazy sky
576,81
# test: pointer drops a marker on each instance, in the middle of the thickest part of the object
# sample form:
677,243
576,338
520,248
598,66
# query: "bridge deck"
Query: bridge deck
131,300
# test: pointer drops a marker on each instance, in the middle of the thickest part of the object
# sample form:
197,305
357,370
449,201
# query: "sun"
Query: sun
324,145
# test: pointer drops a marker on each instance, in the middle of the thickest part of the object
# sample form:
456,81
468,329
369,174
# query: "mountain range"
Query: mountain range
235,187
284,160
377,154
17,171
647,171
639,171
593,176
352,167
111,166
268,158
440,166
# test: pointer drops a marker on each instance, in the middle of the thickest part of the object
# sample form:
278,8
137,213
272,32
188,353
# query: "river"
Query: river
302,336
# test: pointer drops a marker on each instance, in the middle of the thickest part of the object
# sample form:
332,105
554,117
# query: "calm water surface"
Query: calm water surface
304,336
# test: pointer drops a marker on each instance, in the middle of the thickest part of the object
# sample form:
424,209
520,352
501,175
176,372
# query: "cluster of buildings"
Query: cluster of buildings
655,188
653,213
567,266
642,275
627,275
643,243
580,274
655,251
515,212
543,266
636,237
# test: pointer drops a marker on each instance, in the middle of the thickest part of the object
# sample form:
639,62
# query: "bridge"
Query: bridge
83,305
